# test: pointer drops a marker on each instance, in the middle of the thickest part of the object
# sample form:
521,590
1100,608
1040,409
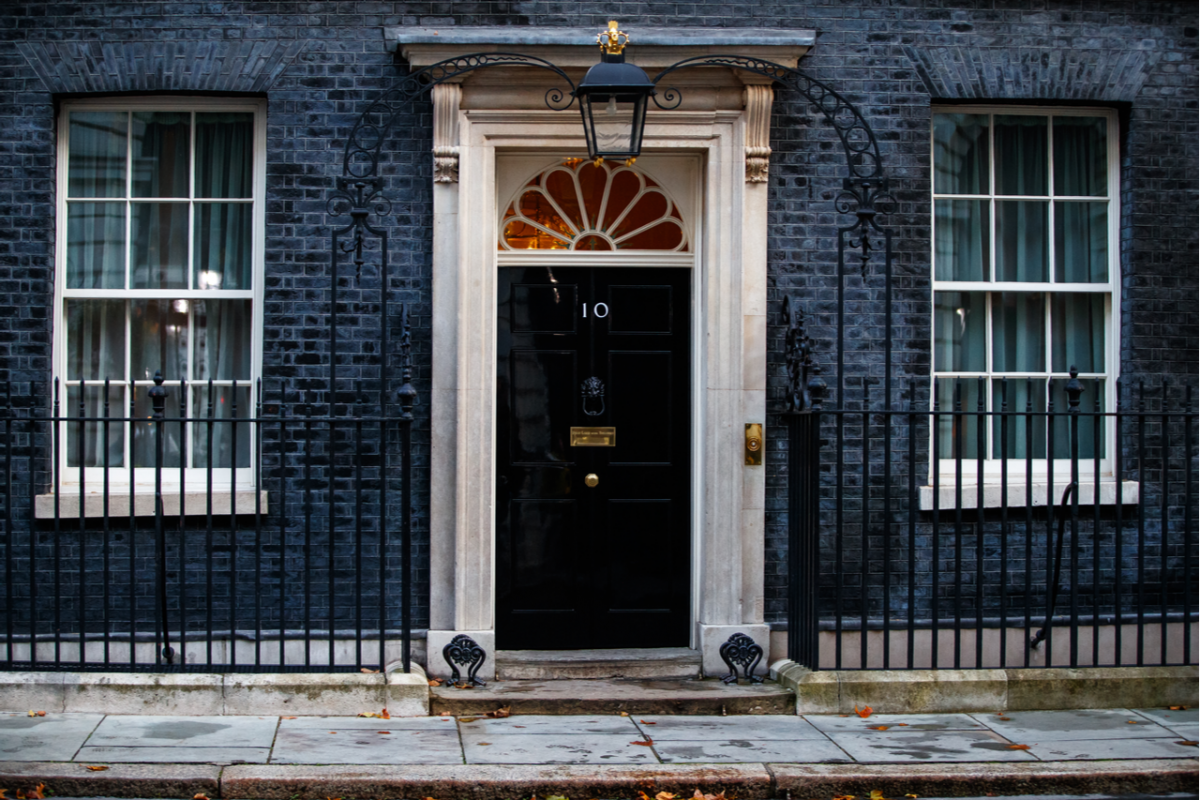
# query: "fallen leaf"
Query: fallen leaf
625,714
333,798
876,794
1178,708
20,795
1131,722
880,727
200,796
1187,742
912,796
991,794
384,714
864,712
467,719
1006,719
556,797
384,733
902,724
436,681
3,796
464,686
665,796
97,769
653,723
641,795
369,671
333,733
36,794
518,726
844,796
484,744
428,798
369,714
1018,747
288,717
647,743
500,713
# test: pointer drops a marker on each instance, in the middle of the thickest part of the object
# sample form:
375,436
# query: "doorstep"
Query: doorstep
659,663
561,697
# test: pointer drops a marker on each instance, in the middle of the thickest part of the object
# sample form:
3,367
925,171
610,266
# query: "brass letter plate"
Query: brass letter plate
593,437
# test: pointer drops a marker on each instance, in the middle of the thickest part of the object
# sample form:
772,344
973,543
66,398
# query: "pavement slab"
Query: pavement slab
184,732
363,723
1166,717
852,723
549,725
174,755
927,746
1027,727
522,748
710,728
427,742
54,737
746,751
1107,749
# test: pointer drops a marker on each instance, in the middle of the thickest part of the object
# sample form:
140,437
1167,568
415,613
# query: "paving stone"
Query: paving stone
1191,734
326,724
175,755
563,749
718,729
898,722
153,731
733,751
1107,749
552,725
1047,726
1171,719
402,744
54,737
921,746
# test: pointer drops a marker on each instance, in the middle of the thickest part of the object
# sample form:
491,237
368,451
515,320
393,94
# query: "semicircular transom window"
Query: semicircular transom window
581,205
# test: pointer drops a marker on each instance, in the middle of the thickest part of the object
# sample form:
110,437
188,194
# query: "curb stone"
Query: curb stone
119,780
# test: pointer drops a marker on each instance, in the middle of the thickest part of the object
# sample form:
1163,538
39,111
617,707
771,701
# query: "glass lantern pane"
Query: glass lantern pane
960,153
1081,242
1081,156
96,166
1021,155
962,240
959,320
1077,332
1018,332
1022,248
161,141
612,121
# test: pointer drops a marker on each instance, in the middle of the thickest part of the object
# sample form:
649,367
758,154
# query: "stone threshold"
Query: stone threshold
500,782
207,694
952,690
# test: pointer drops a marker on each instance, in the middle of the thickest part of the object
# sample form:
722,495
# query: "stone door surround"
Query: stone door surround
724,121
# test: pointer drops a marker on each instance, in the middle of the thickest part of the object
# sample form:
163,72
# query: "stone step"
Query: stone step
663,663
708,696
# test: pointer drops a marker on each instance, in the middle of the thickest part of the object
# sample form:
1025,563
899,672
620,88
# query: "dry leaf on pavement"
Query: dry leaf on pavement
436,681
200,796
288,718
864,712
665,796
880,727
369,671
647,743
652,723
876,794
97,769
500,713
1018,747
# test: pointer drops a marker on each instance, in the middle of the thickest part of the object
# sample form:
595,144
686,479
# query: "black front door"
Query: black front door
592,541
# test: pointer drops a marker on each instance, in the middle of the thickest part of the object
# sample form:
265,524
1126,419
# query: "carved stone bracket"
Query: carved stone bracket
759,98
446,99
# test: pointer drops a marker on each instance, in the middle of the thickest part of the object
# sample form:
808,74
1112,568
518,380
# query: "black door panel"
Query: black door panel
603,566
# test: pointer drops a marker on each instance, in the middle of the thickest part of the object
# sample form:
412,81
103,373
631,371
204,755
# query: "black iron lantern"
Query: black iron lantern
612,98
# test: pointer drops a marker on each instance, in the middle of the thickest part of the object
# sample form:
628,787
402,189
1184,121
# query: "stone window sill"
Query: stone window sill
195,503
948,494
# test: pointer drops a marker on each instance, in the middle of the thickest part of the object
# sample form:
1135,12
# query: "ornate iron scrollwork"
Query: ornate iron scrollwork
464,651
741,650
863,198
592,389
806,387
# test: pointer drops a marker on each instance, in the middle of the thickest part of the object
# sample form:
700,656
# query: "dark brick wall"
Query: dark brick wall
319,64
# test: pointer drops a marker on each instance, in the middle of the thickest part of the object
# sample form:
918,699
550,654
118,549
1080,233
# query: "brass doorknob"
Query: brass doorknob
591,480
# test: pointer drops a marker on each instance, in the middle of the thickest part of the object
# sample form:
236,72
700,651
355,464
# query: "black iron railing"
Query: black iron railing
1012,537
286,546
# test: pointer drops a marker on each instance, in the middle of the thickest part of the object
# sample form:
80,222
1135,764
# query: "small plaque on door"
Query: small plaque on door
593,437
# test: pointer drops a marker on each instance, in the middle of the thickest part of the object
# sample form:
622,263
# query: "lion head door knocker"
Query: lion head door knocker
593,396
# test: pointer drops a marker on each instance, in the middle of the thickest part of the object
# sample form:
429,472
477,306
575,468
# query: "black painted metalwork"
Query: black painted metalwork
741,651
592,389
463,651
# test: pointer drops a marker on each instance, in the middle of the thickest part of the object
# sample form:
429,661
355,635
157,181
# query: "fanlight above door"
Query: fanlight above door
579,205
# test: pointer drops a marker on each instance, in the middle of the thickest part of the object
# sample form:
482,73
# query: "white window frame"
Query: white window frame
993,469
227,481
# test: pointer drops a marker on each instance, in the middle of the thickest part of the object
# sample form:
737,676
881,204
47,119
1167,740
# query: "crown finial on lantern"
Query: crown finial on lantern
612,41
